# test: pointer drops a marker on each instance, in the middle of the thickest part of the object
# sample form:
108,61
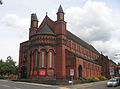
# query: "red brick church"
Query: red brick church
52,51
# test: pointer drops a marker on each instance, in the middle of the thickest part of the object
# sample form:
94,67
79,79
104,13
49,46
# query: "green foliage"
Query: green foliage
1,77
102,78
96,78
1,65
8,67
93,79
118,63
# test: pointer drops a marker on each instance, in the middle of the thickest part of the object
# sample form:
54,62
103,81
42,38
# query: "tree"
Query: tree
1,65
118,63
8,67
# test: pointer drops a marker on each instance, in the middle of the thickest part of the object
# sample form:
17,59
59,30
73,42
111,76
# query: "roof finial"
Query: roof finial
46,13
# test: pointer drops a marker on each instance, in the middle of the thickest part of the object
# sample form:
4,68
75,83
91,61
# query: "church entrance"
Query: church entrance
23,72
80,71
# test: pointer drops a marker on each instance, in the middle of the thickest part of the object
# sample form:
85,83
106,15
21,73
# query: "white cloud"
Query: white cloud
14,30
109,48
93,23
87,21
18,25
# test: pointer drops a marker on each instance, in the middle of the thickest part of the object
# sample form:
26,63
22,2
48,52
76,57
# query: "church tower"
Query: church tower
60,49
60,23
34,24
60,14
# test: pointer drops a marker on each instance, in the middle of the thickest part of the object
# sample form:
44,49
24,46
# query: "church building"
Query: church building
53,52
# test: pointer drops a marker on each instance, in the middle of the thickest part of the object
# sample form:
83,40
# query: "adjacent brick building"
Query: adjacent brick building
52,51
104,61
115,68
109,67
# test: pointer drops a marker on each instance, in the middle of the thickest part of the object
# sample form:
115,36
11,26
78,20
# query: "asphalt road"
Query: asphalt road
6,84
102,86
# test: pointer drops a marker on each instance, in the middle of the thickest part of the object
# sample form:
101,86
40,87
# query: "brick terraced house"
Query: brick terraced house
52,51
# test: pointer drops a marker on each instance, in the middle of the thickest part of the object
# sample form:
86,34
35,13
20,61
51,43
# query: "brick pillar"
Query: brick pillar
60,62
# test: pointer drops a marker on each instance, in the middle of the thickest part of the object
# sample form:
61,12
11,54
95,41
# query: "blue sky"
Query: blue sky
95,21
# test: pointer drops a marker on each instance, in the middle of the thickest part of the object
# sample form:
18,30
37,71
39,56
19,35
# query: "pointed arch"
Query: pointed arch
51,58
36,58
43,58
80,71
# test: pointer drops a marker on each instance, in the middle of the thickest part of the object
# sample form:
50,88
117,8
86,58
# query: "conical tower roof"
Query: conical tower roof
60,10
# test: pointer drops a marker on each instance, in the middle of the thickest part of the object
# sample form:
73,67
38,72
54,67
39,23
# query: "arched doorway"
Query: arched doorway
80,71
23,72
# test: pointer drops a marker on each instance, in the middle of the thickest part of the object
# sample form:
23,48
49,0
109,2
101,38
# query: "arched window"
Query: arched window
43,58
36,58
50,59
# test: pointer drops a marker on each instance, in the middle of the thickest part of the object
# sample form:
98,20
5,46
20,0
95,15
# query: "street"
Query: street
102,86
6,84
97,85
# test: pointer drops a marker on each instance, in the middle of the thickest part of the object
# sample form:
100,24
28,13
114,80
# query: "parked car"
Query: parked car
118,79
112,82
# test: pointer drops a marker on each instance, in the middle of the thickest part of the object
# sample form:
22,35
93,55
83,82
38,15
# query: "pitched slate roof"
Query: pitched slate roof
45,30
81,42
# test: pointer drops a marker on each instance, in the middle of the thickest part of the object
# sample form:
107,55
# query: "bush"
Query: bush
5,77
97,78
93,79
103,78
1,77
90,79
